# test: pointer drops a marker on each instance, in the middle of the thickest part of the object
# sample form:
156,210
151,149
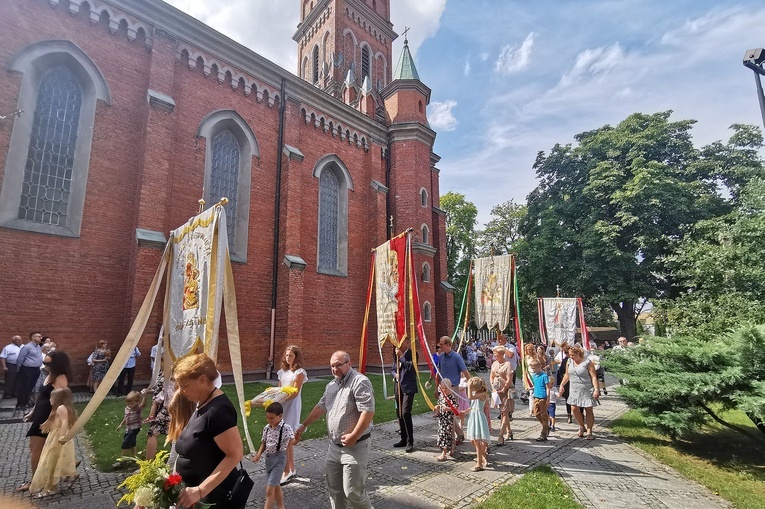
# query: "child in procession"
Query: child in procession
541,382
478,427
134,405
276,437
57,459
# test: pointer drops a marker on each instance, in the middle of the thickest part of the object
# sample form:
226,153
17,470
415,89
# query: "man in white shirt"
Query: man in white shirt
127,373
8,358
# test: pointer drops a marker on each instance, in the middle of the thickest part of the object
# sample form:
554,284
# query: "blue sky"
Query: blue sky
511,78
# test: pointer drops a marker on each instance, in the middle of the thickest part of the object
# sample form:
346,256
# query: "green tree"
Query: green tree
720,269
683,382
460,241
503,229
610,210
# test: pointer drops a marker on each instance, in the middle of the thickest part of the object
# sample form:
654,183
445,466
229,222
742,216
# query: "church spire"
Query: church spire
405,69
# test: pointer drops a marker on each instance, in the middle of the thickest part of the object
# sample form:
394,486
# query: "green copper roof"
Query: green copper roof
405,69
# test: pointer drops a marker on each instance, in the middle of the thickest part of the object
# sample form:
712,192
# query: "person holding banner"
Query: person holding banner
208,443
405,374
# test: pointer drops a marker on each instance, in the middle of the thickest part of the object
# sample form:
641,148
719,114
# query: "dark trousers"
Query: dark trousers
26,378
404,403
125,373
10,381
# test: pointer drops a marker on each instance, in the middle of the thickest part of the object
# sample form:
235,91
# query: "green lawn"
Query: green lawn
106,440
540,488
722,460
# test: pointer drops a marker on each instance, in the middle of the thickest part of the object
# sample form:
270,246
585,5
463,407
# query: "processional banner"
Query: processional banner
199,251
199,280
390,285
493,291
560,319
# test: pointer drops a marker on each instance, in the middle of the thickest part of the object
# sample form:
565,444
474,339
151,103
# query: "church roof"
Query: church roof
405,69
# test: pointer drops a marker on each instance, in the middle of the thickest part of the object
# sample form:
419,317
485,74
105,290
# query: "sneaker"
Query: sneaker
400,443
287,478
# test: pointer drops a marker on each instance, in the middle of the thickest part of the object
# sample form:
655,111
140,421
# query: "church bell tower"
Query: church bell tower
344,46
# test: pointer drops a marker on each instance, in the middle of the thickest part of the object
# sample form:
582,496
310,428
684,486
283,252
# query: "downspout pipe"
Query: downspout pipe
277,216
388,204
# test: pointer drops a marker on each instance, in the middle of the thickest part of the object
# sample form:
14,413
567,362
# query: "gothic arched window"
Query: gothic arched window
332,245
425,272
425,234
224,178
427,313
231,145
46,170
423,197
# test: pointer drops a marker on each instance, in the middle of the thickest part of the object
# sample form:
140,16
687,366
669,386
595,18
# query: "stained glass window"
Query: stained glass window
47,180
224,178
329,206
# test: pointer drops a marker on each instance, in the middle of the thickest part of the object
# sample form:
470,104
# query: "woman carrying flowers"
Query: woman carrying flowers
208,443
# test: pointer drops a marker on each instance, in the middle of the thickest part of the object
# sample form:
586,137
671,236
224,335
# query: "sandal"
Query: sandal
477,469
581,433
589,436
24,487
500,441
441,458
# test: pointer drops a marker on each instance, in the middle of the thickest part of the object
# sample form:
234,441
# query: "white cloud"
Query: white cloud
484,56
440,116
466,68
267,27
515,58
593,62
423,17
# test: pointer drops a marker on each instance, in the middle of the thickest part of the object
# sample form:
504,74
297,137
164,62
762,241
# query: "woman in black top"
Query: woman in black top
208,442
59,374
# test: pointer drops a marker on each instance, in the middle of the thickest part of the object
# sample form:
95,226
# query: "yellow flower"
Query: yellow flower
247,408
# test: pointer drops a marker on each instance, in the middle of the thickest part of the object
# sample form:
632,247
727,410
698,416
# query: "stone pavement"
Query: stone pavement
604,473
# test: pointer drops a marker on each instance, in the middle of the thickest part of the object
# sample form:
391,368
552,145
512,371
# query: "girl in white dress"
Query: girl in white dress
292,374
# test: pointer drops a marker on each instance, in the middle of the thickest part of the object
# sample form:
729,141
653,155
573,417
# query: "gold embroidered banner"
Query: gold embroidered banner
199,250
493,291
390,279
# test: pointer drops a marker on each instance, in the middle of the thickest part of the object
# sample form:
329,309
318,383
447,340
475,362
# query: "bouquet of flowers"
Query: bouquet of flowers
155,486
270,395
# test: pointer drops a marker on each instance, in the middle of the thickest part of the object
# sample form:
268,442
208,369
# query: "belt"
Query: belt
361,439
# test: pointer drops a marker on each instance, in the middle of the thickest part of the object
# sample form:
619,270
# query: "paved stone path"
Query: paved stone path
604,473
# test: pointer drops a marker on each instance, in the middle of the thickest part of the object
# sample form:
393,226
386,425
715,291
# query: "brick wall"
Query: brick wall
147,170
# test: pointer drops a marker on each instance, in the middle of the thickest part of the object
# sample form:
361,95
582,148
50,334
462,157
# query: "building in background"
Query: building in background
133,110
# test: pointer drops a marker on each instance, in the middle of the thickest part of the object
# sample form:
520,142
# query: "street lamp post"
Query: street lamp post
753,59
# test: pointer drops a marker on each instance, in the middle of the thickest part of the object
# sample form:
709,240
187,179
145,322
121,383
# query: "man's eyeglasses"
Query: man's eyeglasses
337,365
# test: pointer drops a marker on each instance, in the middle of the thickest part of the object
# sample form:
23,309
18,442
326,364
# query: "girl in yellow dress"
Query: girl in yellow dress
57,460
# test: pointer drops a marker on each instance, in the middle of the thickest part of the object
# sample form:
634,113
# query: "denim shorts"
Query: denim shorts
129,440
275,462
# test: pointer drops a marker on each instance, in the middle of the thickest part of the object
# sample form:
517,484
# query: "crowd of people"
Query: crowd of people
192,412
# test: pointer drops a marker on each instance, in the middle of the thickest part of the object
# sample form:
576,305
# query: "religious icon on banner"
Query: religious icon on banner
493,291
191,283
389,266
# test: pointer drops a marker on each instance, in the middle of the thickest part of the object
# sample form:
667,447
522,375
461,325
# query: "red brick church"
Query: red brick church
131,110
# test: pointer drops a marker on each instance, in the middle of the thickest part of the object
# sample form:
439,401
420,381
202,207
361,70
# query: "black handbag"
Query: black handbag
240,492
